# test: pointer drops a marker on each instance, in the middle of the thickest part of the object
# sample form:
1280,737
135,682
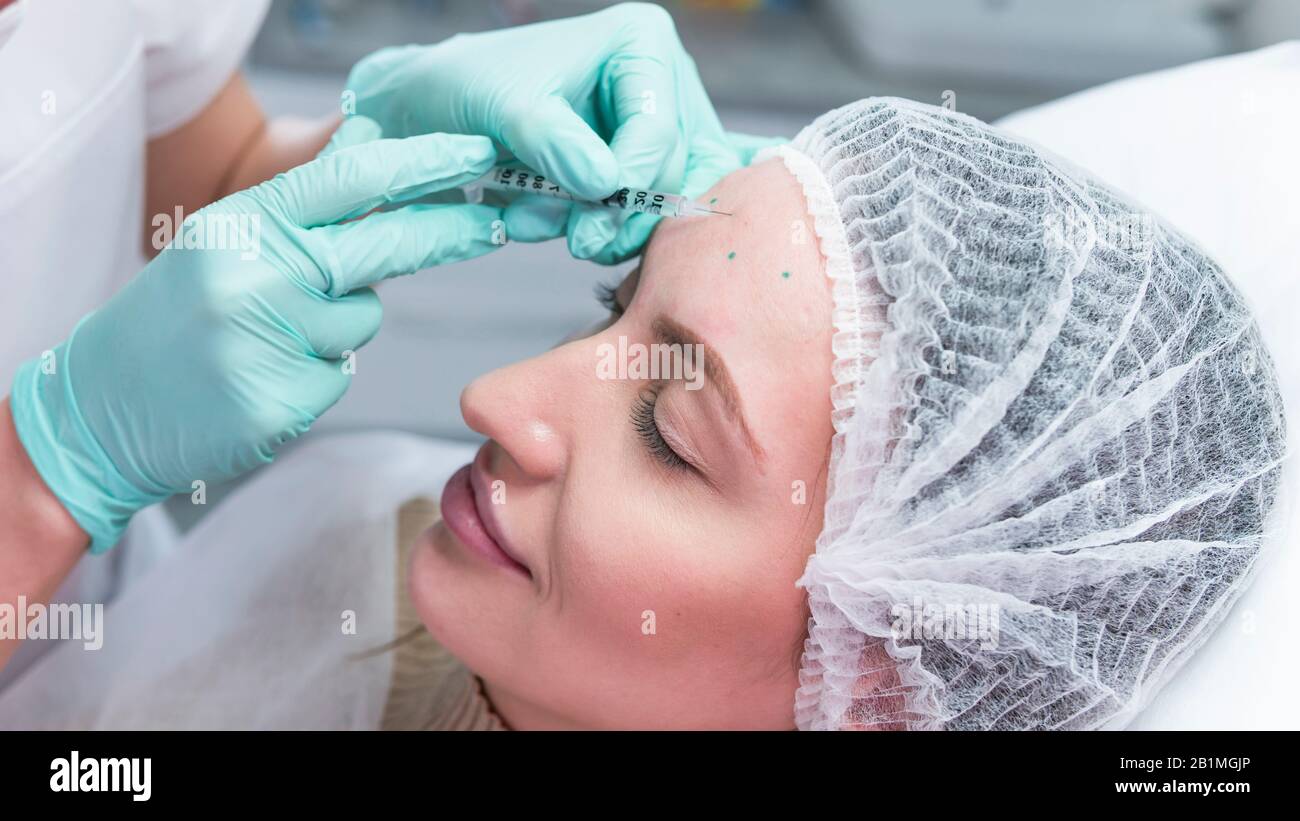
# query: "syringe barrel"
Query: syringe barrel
524,181
646,202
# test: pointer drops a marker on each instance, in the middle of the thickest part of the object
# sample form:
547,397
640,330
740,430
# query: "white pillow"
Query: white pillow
1214,148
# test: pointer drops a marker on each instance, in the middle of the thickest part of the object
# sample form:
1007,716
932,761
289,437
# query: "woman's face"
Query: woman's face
662,522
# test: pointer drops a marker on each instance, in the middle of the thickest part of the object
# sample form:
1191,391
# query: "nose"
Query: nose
528,409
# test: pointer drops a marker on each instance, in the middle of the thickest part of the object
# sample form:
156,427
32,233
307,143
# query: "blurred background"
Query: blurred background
770,66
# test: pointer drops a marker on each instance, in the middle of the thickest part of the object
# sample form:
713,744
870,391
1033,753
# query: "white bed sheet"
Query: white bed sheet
1214,148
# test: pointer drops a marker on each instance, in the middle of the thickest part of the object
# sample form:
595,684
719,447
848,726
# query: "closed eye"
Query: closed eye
647,428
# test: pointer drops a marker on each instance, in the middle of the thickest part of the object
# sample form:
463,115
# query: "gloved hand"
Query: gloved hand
211,359
595,102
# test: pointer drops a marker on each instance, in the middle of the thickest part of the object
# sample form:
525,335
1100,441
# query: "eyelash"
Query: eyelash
643,410
643,421
607,295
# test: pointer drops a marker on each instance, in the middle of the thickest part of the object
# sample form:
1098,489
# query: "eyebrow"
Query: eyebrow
671,332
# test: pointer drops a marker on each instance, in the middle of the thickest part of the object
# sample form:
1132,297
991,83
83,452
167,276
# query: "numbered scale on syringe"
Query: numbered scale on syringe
523,181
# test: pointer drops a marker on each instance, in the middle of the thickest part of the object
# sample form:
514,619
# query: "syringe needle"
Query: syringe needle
692,209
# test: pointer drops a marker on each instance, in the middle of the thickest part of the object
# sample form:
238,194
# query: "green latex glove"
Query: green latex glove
595,102
210,360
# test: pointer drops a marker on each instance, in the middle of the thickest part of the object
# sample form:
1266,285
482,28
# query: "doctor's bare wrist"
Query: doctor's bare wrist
30,513
40,542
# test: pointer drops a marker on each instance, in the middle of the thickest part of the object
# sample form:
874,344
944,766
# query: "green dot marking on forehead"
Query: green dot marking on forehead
785,274
712,201
732,255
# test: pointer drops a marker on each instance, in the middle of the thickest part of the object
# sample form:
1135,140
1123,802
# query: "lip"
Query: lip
463,512
487,511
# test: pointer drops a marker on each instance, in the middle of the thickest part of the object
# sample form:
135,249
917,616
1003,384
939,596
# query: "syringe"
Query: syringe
524,181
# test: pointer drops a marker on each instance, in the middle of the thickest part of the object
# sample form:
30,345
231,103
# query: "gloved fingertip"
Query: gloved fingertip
530,220
628,242
354,130
589,233
604,173
475,153
589,172
485,226
486,152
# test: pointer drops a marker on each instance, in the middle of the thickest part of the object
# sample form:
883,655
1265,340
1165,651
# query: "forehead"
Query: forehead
720,274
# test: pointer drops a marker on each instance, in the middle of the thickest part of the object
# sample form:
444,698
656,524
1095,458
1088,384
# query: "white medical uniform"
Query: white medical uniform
83,87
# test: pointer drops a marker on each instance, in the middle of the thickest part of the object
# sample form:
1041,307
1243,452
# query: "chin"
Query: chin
430,580
463,604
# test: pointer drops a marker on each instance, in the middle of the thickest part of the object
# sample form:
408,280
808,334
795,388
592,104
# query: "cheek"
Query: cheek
657,590
626,563
609,556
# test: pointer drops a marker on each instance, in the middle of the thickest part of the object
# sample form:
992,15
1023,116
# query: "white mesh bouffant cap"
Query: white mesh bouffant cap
1058,434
